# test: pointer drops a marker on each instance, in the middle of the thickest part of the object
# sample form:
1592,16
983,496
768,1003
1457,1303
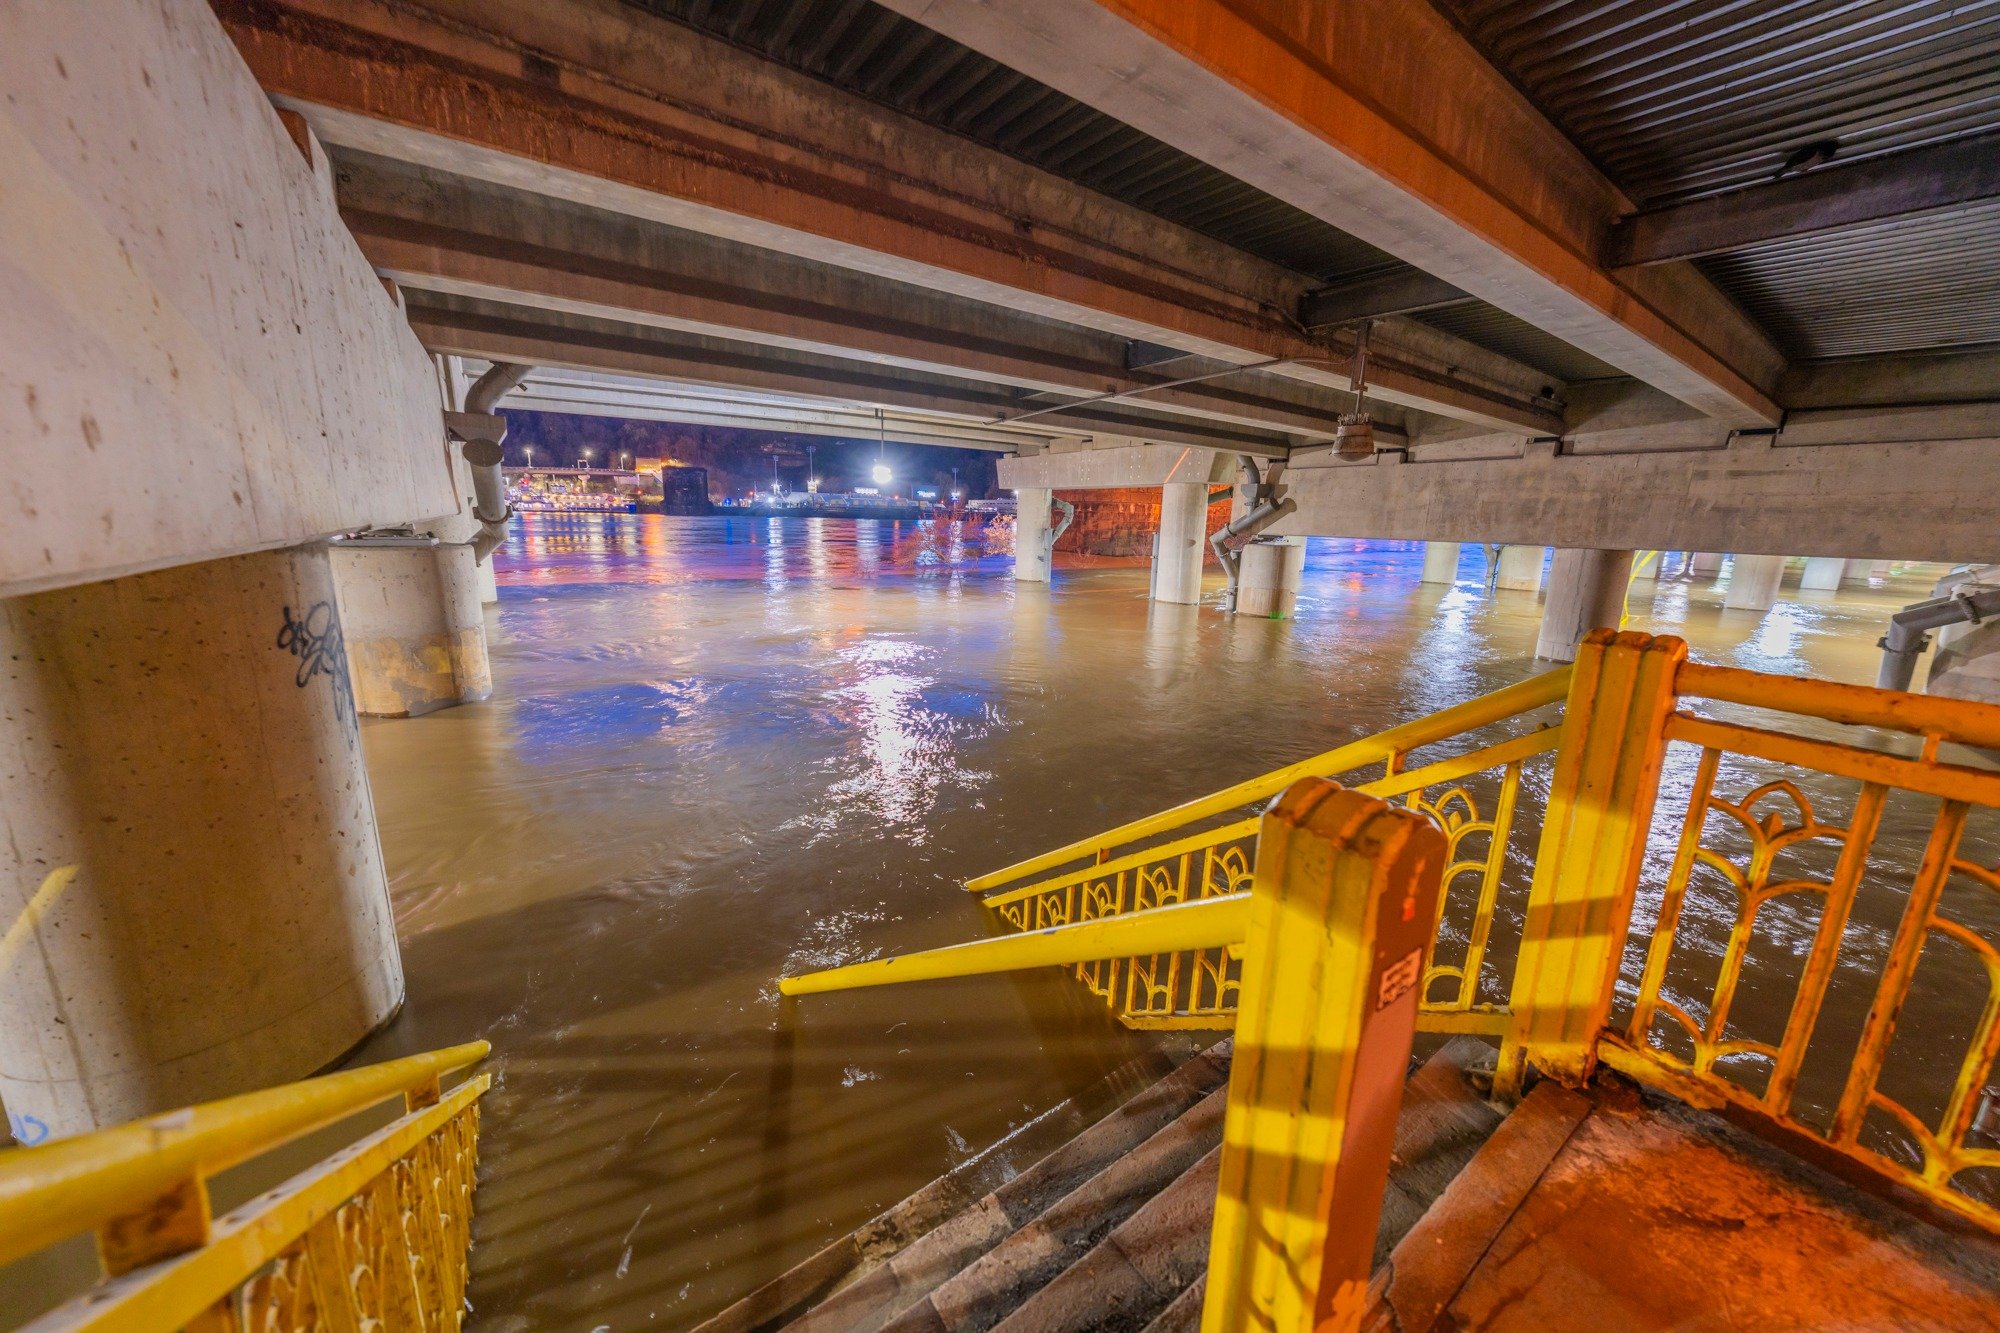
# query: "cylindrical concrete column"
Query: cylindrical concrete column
1268,583
1031,533
1753,582
1183,538
1586,592
1706,563
1854,573
1521,568
1822,573
415,631
188,851
1440,562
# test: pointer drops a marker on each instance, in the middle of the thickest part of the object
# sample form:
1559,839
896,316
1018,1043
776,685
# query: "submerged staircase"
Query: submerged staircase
1111,1230
1577,1210
1662,1161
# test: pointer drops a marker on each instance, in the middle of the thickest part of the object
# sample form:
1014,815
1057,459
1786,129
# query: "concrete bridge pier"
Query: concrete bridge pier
1855,573
1521,568
415,625
1031,533
1177,559
196,897
1586,592
1441,562
1705,564
1268,584
1823,573
1753,582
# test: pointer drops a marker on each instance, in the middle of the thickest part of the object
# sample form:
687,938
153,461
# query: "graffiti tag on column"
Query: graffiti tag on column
27,1130
314,638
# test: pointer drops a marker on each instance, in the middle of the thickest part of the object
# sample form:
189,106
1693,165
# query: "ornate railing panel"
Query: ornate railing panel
374,1237
1473,796
1780,839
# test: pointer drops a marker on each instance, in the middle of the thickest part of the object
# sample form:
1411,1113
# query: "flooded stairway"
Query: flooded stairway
1662,1164
1112,1229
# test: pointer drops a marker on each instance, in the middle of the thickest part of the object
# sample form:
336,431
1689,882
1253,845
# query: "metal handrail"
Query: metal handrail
53,1191
1535,692
1211,924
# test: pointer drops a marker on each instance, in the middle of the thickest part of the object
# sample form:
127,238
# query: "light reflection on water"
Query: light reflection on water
722,749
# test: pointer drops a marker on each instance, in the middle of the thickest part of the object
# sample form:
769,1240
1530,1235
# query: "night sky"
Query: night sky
739,460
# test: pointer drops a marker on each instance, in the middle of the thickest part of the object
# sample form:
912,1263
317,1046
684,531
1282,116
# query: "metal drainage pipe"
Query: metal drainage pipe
483,454
1908,634
1263,513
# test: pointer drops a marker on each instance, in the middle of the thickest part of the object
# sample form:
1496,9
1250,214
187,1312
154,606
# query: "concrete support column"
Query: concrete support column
1823,573
1854,573
1521,568
1031,534
1650,568
188,848
1183,539
416,636
1706,564
1268,584
1586,592
1441,562
1753,582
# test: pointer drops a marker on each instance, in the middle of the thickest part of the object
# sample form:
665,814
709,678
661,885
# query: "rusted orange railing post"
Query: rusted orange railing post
1340,915
1593,843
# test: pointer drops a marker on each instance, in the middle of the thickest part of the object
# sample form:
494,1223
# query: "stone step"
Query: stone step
1135,1272
1148,1269
988,1289
1183,1316
867,1276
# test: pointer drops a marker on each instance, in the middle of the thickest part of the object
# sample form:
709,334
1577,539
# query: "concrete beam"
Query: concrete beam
1378,117
637,398
1123,465
1402,293
1955,375
1877,189
597,102
431,232
1913,483
544,338
195,361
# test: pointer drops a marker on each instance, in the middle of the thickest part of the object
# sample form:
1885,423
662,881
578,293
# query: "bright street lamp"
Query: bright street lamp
881,474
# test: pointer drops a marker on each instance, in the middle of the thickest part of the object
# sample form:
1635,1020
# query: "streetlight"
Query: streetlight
881,471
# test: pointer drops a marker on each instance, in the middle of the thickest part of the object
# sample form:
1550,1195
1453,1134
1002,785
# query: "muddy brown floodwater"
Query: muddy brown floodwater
720,750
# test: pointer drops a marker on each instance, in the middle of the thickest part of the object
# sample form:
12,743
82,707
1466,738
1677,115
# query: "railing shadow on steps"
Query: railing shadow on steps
1162,921
374,1236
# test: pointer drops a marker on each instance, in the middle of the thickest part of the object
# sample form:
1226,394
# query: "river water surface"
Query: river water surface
719,750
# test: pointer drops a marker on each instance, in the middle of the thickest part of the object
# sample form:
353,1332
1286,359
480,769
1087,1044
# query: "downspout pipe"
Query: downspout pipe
1056,530
489,388
1909,628
483,453
1264,511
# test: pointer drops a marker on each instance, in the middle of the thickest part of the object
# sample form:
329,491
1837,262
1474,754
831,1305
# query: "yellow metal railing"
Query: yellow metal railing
375,1236
1671,782
1466,777
1750,833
